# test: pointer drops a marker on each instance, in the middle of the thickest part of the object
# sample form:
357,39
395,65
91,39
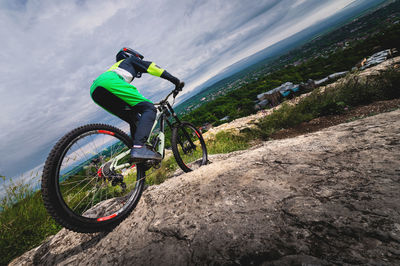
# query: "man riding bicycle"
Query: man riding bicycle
113,92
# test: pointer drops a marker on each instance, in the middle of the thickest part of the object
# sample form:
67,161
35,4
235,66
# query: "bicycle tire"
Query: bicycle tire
58,177
188,146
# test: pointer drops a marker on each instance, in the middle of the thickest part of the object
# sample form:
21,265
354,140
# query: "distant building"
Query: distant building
205,127
337,75
298,62
261,104
226,118
319,82
287,88
308,86
331,77
377,58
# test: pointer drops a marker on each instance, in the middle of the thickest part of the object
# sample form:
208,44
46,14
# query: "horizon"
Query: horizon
51,110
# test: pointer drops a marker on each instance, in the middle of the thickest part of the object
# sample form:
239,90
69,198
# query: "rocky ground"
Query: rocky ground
323,198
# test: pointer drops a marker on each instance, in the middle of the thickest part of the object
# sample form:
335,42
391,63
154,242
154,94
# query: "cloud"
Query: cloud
53,50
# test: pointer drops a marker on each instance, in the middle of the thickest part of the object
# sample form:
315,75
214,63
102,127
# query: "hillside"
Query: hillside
321,198
249,121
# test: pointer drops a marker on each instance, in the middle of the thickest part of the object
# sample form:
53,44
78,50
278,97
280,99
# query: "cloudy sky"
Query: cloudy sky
52,50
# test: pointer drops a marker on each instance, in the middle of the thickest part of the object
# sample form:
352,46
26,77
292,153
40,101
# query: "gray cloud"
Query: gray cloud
53,50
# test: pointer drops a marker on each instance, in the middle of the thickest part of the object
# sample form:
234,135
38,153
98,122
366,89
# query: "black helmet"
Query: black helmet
127,52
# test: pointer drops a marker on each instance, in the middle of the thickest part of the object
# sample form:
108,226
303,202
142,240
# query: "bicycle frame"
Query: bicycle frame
165,111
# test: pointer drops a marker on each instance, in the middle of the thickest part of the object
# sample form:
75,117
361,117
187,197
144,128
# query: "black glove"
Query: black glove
178,88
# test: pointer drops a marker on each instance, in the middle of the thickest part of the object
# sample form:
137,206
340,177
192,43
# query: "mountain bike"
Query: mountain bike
89,183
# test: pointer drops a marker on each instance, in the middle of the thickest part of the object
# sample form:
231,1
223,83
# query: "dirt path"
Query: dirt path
329,197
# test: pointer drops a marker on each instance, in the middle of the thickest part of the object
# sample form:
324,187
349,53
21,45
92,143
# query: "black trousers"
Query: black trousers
139,117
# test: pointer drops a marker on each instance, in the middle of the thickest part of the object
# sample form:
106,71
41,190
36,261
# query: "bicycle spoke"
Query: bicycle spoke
81,150
73,182
80,189
93,198
87,194
79,184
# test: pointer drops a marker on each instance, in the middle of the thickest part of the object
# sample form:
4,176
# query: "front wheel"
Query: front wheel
188,146
88,183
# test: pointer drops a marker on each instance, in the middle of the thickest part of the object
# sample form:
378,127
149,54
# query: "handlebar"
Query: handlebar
174,92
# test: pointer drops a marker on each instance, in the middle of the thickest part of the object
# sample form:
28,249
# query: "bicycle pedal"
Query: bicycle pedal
152,162
157,165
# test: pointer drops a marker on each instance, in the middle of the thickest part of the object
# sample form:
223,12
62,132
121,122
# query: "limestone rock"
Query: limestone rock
330,197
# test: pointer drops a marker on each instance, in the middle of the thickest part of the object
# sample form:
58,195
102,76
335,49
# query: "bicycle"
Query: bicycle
89,183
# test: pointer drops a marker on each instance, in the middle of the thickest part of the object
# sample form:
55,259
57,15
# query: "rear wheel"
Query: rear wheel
88,184
188,146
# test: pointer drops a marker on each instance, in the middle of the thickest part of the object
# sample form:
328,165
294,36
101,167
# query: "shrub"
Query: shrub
225,142
24,222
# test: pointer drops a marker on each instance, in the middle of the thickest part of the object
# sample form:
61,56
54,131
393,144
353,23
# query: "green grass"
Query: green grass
222,142
24,222
225,142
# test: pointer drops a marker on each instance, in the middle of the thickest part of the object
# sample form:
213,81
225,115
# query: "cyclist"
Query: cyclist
113,92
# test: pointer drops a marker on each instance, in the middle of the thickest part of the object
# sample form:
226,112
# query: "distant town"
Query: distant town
355,45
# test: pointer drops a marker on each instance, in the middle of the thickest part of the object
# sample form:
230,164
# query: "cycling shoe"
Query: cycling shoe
144,153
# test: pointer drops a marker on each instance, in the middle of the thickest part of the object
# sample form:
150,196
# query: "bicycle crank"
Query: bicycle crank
105,172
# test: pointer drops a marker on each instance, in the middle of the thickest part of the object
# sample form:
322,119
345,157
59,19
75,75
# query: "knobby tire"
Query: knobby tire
184,135
51,184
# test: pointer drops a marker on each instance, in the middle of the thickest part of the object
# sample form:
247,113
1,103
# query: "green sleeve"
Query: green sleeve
157,71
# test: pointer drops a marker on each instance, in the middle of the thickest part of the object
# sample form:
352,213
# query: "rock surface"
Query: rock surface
330,197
